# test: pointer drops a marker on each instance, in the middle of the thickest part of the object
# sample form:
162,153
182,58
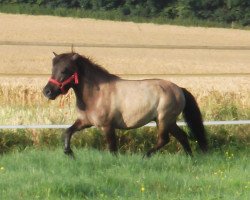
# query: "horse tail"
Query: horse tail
192,116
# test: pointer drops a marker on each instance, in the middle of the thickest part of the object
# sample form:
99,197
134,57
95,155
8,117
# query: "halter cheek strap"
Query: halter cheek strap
62,85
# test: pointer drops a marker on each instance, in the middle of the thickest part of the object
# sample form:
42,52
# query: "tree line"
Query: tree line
222,11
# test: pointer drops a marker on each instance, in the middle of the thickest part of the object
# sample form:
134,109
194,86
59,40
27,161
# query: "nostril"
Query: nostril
47,92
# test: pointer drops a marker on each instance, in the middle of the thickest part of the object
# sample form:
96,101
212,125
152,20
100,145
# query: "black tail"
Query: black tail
192,116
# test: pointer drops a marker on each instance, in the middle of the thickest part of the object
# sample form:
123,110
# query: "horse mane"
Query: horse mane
93,71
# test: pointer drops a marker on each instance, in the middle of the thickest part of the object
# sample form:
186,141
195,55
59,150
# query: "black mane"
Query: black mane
92,70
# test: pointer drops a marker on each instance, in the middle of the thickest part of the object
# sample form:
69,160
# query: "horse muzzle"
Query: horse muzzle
51,92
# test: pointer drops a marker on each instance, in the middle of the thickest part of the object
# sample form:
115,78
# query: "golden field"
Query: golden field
58,29
37,60
139,62
216,77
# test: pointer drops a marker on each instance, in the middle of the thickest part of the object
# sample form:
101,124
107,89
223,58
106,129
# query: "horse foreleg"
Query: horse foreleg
111,138
181,136
77,126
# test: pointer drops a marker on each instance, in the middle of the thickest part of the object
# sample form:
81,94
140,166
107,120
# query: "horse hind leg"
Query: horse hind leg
163,139
181,136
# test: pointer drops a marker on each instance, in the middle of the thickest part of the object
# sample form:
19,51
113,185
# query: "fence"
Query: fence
152,124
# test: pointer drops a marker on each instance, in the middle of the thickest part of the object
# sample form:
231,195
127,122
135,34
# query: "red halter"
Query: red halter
61,85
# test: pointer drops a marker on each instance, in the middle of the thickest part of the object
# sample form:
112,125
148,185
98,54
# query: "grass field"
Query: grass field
48,174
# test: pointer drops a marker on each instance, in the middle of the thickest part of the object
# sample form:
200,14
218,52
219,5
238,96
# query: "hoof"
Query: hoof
190,154
146,155
113,153
69,153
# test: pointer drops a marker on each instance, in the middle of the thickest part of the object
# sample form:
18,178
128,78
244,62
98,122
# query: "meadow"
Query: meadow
48,174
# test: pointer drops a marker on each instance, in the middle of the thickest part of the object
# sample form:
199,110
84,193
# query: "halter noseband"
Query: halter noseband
62,85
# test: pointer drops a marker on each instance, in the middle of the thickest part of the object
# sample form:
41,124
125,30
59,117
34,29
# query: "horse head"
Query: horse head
64,75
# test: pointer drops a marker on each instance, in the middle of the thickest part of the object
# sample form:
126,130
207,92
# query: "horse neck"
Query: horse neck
89,86
78,90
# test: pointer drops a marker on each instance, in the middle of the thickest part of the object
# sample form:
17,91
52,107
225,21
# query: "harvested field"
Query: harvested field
218,59
37,60
195,83
73,30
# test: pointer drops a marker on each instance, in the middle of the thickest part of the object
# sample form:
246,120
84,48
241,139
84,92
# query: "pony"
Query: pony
109,102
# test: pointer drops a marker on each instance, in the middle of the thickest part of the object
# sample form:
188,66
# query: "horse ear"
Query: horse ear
75,56
55,54
72,48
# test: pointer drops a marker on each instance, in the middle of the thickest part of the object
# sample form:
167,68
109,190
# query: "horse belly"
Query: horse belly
137,111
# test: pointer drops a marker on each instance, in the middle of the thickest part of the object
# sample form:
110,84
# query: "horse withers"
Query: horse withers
109,102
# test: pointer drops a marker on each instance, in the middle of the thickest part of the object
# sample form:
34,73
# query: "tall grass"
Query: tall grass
132,141
26,105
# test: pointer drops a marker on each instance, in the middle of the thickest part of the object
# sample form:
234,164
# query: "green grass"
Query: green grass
48,174
108,15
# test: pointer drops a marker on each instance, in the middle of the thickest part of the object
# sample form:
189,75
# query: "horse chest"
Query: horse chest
97,116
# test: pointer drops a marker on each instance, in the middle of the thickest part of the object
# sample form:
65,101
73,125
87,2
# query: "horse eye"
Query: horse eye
65,71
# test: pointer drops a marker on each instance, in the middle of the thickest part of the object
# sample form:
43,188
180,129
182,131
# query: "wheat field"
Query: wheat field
139,62
37,60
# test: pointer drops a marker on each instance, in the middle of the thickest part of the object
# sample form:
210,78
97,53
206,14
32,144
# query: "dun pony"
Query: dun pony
109,102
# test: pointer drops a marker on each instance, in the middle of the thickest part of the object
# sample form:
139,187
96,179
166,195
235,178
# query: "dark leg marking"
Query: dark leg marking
111,138
181,136
77,126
